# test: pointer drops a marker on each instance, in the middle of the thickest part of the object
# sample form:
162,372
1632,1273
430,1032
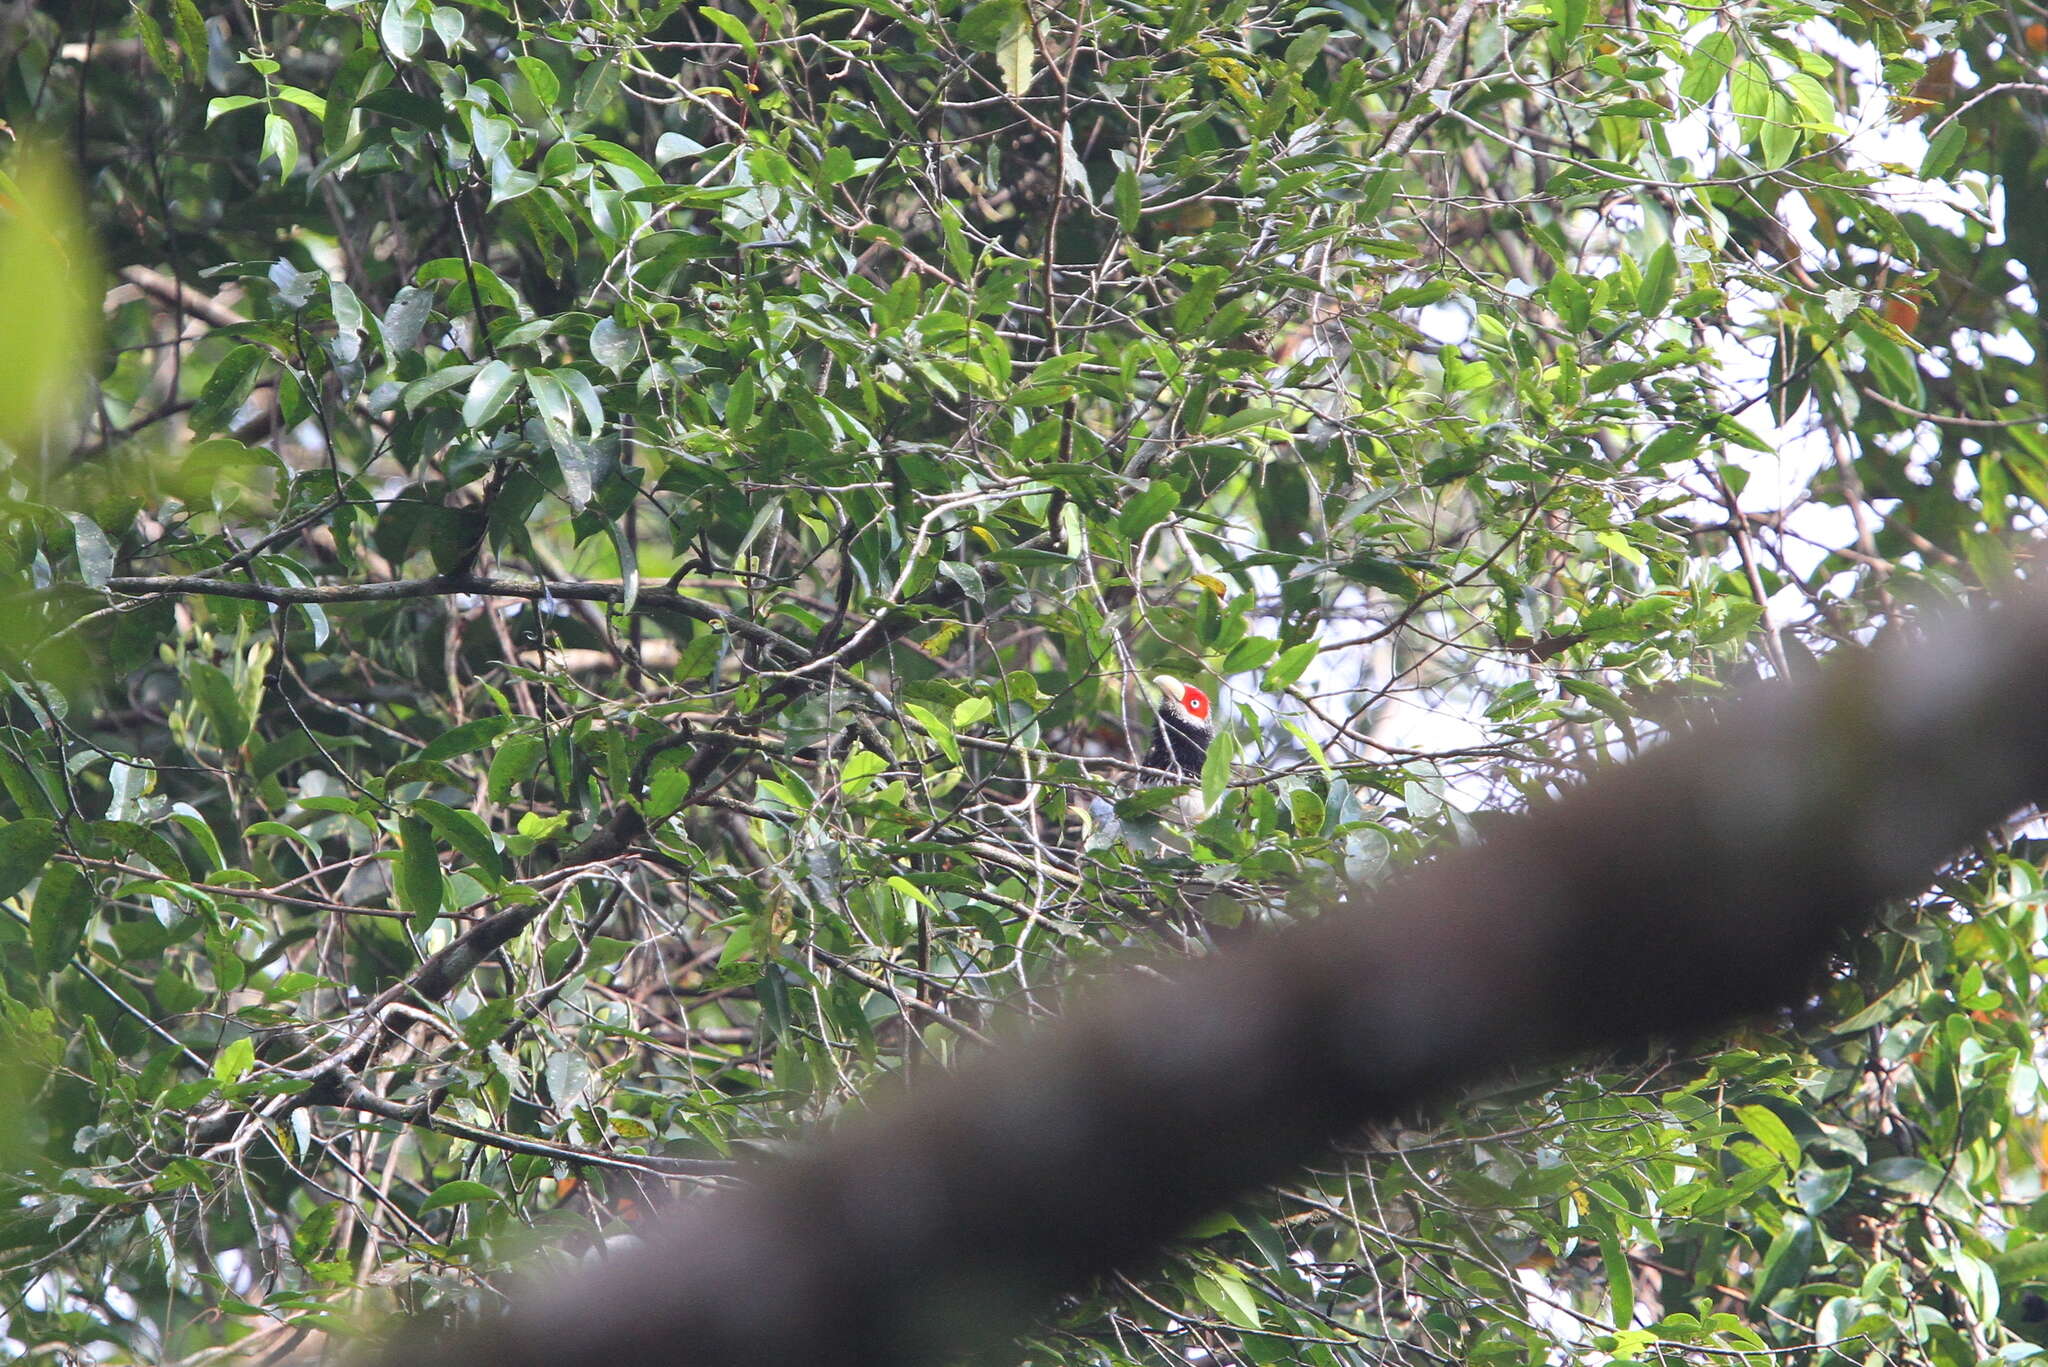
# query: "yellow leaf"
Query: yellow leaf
1234,74
1016,57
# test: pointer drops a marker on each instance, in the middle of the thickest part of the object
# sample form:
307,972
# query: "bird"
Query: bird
1182,728
1181,732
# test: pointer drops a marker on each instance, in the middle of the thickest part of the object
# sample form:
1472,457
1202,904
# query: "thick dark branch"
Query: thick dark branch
1697,886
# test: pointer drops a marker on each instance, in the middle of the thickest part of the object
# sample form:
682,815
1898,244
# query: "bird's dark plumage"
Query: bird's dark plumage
1181,735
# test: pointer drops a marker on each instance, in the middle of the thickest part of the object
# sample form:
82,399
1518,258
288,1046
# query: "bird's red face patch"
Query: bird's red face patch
1196,702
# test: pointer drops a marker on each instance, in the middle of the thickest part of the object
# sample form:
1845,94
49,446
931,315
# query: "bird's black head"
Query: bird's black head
1180,741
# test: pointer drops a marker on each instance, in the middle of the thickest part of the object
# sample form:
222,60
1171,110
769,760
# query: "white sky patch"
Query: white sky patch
1892,150
1428,717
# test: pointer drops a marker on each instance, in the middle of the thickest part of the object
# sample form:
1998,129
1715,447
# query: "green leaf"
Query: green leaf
1660,274
990,24
1223,1289
281,140
740,396
1779,131
624,158
1764,1123
1377,571
424,388
233,1062
226,389
152,35
1288,668
667,791
488,392
1621,1282
1707,67
305,99
512,764
468,737
1886,1006
1635,109
278,828
1160,497
1306,47
448,25
1572,300
95,552
1570,16
2022,1261
1128,199
343,90
1670,445
191,30
1442,470
229,970
733,28
228,104
551,401
859,770
612,346
406,107
936,729
1787,1262
417,875
1895,372
1423,797
29,783
1914,1177
1148,802
220,704
145,845
63,906
1749,90
1813,106
1819,1188
1030,557
583,463
402,28
1943,149
1216,769
460,1192
838,167
540,79
1249,654
176,993
407,317
466,832
202,834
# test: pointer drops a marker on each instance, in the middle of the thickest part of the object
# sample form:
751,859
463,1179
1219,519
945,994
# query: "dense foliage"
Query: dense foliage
699,491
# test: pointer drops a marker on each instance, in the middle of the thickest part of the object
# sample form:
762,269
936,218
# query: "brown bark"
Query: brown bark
1701,884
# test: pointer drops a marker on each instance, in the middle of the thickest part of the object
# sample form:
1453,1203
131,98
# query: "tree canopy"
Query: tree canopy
579,588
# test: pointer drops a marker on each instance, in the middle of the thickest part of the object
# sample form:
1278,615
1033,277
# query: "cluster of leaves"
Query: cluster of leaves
598,594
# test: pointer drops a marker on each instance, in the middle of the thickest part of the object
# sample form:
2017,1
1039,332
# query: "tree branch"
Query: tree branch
1701,884
445,585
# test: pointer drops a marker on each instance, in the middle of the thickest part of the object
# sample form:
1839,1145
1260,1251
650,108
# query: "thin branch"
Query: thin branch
447,585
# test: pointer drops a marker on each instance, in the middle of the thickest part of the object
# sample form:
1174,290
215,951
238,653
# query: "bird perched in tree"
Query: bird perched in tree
1180,741
1181,735
1182,728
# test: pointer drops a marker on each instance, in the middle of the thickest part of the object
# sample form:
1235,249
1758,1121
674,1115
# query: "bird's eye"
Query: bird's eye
1196,702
